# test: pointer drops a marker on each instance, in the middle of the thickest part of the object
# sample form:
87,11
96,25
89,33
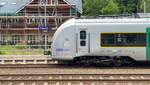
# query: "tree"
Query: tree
147,6
110,8
129,6
93,7
98,7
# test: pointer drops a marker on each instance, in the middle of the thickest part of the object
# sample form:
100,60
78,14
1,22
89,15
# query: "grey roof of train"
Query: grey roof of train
74,21
112,20
143,15
14,6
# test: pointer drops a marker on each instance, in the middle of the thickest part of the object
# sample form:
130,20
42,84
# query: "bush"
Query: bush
3,53
20,47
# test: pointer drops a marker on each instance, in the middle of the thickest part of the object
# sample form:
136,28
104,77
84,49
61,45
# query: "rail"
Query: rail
26,59
76,79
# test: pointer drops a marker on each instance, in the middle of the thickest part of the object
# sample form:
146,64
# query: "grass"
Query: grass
19,50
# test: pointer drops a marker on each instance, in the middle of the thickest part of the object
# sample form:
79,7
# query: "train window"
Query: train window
82,43
108,39
123,39
82,34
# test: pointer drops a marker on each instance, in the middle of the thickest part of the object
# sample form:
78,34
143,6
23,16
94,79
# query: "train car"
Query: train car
98,41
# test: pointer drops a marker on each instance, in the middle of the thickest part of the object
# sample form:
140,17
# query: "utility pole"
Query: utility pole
144,6
45,25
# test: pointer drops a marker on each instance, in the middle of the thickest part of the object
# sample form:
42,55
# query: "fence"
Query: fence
26,59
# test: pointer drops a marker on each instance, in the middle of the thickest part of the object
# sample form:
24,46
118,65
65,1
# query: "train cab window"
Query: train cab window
82,34
123,39
82,43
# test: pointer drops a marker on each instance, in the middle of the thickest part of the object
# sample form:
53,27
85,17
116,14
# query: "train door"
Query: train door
148,44
83,42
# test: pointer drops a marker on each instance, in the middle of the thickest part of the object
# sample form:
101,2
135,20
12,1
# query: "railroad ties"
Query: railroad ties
75,79
64,78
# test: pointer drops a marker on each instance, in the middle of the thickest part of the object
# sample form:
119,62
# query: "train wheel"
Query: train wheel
66,62
87,63
117,61
129,61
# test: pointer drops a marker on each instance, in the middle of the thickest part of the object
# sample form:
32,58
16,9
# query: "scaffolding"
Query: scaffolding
24,29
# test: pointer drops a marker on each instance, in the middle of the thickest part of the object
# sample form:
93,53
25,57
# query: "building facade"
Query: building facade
33,22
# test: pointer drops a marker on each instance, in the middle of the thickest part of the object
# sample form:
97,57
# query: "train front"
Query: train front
63,42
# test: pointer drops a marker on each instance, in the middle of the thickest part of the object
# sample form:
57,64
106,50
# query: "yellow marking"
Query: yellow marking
122,33
121,46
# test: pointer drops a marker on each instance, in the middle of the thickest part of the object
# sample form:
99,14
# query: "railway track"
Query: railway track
31,74
74,79
54,65
27,65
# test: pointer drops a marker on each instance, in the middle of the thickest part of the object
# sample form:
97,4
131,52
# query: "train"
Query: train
102,41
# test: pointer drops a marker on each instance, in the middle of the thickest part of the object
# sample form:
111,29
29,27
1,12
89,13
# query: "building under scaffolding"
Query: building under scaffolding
33,22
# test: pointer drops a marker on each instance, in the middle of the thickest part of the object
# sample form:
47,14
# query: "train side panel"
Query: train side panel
95,30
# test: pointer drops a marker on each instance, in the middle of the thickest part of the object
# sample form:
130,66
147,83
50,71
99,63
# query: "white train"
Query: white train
87,41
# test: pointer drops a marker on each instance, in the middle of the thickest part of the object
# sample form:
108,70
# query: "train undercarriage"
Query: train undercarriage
100,60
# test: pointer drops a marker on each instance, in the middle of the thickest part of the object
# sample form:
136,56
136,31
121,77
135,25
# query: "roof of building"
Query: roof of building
14,6
77,3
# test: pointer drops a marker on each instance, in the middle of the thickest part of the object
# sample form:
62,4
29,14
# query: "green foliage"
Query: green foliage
19,50
110,8
93,7
3,53
129,6
147,4
107,7
20,47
